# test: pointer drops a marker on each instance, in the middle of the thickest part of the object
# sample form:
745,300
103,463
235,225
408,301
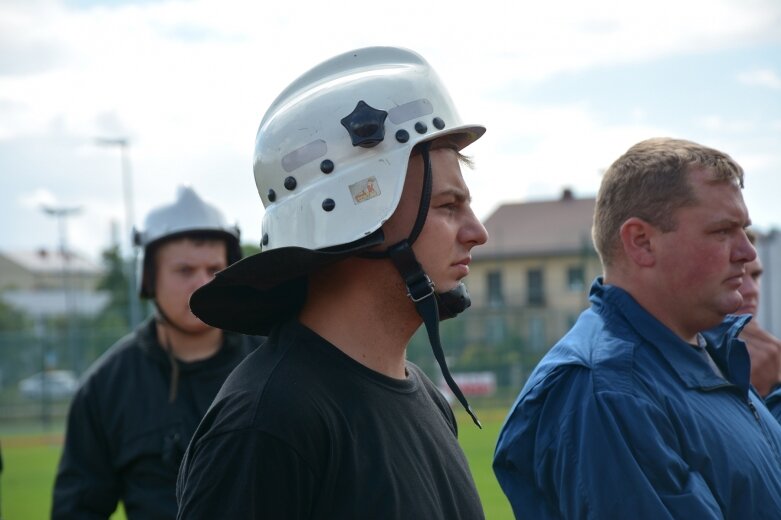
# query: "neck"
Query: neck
360,306
186,346
654,302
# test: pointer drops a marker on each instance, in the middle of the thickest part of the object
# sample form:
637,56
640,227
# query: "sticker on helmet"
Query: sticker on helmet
364,190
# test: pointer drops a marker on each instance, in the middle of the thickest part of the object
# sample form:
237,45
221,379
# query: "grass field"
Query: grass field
479,448
30,461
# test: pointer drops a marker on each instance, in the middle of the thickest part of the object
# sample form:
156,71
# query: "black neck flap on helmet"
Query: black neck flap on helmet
365,128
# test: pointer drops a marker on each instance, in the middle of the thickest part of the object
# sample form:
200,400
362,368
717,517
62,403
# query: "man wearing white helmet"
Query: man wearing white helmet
367,234
138,405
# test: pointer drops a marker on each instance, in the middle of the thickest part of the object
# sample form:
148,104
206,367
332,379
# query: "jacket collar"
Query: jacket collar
691,367
147,339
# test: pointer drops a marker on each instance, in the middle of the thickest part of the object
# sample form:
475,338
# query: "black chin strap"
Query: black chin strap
421,291
165,342
420,288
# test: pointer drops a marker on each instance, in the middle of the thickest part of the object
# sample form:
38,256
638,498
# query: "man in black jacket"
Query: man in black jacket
138,405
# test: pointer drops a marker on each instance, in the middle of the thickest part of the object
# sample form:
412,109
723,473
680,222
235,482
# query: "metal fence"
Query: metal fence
41,364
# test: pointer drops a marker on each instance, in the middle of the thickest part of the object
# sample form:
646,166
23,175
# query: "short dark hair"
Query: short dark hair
650,181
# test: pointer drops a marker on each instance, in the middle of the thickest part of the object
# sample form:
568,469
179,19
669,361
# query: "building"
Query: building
53,292
530,281
47,270
769,251
46,283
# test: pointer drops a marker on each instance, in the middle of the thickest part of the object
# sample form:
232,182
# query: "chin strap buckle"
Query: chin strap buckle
421,289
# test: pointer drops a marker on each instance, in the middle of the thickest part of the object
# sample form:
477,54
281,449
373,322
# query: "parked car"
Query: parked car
57,384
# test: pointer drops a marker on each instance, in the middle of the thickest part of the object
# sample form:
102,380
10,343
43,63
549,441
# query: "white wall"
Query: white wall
769,250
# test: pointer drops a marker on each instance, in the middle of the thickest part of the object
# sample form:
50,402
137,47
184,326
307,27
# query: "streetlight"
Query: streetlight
61,213
134,316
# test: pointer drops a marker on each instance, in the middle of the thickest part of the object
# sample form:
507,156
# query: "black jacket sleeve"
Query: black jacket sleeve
86,485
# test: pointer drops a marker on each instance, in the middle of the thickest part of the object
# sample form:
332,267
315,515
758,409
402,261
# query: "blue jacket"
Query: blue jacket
623,419
773,402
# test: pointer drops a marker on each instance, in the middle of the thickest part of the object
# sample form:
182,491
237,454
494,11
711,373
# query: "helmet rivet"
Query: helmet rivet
438,123
264,240
420,128
290,183
402,136
327,166
329,204
272,195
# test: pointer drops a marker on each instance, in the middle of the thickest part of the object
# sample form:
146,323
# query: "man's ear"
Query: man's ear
637,240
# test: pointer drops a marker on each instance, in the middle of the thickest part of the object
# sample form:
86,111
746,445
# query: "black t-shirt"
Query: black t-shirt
301,430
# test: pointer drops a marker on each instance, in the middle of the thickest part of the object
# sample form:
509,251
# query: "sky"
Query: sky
563,87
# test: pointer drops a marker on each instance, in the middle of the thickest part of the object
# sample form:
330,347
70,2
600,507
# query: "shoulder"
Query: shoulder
434,394
274,405
239,345
773,402
122,357
276,384
107,390
598,363
601,352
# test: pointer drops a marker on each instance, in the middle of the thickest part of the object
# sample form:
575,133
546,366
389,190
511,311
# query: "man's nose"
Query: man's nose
475,231
745,251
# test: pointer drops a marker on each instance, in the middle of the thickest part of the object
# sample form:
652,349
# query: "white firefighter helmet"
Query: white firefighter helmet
332,151
331,156
189,215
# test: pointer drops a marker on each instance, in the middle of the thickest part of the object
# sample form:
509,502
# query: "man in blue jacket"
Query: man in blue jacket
636,413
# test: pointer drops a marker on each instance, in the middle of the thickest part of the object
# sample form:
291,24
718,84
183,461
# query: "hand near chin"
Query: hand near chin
765,352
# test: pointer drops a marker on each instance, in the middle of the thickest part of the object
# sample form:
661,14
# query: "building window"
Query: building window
537,333
536,290
576,280
495,295
495,329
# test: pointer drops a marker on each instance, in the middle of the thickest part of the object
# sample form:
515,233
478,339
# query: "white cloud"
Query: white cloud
38,199
761,78
717,123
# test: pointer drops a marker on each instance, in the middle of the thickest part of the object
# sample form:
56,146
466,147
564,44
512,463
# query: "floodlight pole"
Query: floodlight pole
61,213
134,310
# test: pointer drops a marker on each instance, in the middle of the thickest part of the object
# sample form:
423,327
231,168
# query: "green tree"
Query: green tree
249,249
11,319
15,339
116,284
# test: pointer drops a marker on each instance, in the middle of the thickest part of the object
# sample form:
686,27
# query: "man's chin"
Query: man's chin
447,287
193,326
746,310
200,328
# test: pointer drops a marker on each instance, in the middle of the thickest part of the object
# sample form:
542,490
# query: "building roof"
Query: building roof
539,228
45,261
